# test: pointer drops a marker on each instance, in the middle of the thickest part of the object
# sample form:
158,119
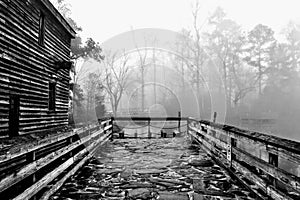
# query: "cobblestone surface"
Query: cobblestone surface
165,169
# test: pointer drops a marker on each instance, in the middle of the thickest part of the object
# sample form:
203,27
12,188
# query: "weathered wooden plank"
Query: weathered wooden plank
26,67
217,136
257,181
289,145
32,190
295,158
293,181
29,169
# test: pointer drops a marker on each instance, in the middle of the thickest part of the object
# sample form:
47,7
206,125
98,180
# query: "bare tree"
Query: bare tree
115,79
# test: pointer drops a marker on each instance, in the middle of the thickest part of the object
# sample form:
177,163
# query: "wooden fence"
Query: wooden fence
145,122
267,165
37,172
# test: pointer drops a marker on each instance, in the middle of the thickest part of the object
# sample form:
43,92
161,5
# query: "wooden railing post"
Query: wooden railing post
233,145
273,160
30,157
215,117
179,115
111,128
70,141
149,128
188,126
135,134
229,150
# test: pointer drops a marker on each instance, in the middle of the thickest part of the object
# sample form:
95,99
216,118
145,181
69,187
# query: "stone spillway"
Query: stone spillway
165,169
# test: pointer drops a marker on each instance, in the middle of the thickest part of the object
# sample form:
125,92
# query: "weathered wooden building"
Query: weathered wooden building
35,45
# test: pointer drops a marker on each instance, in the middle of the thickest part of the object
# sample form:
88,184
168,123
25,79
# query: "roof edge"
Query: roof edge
59,17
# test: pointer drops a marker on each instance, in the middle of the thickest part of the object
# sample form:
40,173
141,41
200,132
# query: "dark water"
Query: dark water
166,169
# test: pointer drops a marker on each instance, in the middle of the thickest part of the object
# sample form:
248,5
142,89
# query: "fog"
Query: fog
247,73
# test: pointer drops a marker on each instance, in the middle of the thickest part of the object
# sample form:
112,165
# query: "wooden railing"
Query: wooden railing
147,122
269,166
29,173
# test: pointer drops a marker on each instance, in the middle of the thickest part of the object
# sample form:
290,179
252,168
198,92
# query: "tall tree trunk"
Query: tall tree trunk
154,76
225,79
259,75
182,76
143,90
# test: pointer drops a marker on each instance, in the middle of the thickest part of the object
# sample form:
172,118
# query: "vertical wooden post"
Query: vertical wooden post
89,131
70,142
215,117
233,145
112,125
188,126
229,150
179,115
149,128
273,160
30,157
135,134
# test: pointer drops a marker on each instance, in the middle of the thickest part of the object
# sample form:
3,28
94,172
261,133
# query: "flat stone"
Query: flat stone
198,185
138,192
172,181
201,163
165,184
197,196
92,189
125,174
149,171
173,196
137,185
161,174
115,194
84,195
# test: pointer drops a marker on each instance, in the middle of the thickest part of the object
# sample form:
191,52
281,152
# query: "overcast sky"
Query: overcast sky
102,19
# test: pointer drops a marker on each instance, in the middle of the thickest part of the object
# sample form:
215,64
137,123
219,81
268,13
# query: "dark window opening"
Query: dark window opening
273,159
42,29
14,109
52,88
